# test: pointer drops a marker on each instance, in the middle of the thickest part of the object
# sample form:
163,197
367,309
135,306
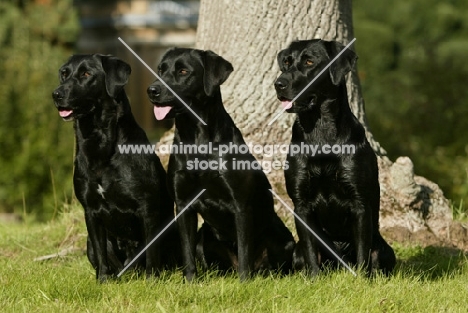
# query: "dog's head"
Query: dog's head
86,81
193,75
301,62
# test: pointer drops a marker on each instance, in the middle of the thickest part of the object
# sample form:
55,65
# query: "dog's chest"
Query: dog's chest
335,218
115,210
100,191
332,195
103,190
216,205
327,175
122,224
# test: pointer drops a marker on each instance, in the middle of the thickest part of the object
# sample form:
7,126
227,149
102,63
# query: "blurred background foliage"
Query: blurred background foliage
36,146
414,75
412,64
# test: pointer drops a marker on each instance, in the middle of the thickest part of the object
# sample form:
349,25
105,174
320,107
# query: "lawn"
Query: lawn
431,279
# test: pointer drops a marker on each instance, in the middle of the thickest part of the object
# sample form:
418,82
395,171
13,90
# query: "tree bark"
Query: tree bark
249,34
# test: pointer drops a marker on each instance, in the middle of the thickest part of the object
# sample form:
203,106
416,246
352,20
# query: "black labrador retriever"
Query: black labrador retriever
336,194
241,229
124,195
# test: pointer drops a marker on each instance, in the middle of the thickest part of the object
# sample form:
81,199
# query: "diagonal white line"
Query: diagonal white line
315,234
160,233
312,81
162,81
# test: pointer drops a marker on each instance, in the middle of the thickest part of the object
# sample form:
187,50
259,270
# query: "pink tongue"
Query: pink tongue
161,112
286,104
65,113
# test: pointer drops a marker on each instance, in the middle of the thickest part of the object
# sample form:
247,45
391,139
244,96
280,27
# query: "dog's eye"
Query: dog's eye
183,72
86,74
309,62
286,62
63,73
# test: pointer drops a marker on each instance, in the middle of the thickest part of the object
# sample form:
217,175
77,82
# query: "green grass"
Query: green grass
426,280
459,211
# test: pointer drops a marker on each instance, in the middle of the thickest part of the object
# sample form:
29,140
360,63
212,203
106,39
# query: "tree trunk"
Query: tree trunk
249,34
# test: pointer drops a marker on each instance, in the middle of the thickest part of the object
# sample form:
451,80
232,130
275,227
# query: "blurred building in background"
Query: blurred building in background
149,27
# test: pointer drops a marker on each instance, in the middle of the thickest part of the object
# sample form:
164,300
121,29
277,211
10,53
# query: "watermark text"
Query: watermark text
267,150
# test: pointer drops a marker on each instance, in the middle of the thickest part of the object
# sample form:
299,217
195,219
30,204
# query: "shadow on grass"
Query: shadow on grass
433,262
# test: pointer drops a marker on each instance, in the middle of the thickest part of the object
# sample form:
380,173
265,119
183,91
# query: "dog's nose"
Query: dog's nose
57,95
153,91
281,84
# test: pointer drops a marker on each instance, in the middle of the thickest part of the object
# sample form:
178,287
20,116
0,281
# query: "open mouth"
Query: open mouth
285,103
161,110
299,104
65,114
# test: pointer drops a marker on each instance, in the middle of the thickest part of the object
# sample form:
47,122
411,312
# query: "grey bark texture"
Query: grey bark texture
249,34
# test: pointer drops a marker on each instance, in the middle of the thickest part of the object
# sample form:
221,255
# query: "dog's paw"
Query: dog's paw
245,275
153,274
104,278
311,271
190,276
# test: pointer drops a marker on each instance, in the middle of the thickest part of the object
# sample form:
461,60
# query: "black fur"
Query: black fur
337,195
241,228
124,196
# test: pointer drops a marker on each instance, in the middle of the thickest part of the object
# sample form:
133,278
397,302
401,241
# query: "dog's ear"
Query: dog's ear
280,59
343,65
117,73
217,70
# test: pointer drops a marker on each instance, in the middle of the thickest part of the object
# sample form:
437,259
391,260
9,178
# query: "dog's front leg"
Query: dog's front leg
362,233
187,224
153,254
308,243
98,236
245,240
